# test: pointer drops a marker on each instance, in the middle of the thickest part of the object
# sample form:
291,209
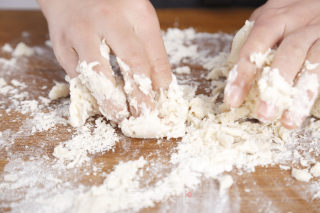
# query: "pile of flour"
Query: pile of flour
218,144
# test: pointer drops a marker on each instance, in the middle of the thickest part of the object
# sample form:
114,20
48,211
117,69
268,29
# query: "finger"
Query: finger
99,78
127,47
307,87
289,59
66,56
147,29
264,35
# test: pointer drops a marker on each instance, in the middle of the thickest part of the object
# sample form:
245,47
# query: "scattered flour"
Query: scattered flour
75,151
7,48
2,82
10,178
225,183
182,70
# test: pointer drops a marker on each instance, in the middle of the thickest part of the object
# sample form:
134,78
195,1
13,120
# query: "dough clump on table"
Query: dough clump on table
22,50
59,90
301,174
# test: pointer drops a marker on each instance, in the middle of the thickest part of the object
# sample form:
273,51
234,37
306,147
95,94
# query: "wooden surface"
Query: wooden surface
272,183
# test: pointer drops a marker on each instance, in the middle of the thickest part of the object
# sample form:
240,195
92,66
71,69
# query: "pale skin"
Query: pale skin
131,29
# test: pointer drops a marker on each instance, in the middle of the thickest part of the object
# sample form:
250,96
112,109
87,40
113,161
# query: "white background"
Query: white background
19,4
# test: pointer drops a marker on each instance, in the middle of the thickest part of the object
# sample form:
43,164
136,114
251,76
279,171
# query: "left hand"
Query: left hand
293,25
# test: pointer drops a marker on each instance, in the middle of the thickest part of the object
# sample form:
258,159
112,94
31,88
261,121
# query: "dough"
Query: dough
22,50
301,174
60,90
315,170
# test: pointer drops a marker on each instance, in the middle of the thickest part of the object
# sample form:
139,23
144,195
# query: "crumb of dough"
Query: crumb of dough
2,82
284,167
225,182
182,70
7,48
17,83
59,90
301,174
22,50
48,43
315,170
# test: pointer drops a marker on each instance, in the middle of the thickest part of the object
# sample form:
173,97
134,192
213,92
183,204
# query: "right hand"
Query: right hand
130,28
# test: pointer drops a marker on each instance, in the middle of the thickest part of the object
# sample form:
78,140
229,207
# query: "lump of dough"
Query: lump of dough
301,174
315,170
59,90
22,50
83,105
167,120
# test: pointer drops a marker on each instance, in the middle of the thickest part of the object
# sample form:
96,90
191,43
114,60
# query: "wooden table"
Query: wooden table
269,184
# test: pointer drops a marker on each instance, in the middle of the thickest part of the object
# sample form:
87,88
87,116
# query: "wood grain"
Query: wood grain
270,184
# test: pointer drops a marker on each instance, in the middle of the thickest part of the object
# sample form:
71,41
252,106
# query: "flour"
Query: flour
7,48
17,83
22,50
182,70
119,190
10,178
225,183
75,152
144,83
44,121
2,82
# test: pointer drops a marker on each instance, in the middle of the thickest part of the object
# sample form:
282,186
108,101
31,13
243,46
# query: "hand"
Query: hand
293,25
130,28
